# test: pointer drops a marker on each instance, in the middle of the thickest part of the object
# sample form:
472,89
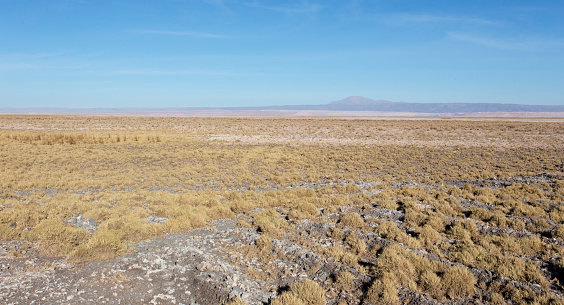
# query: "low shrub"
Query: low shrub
341,254
389,230
395,260
458,282
304,210
269,222
104,245
306,292
57,238
383,291
558,232
430,283
352,220
429,236
356,244
345,281
237,301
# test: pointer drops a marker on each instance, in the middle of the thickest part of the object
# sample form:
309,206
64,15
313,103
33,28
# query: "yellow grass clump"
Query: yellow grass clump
305,292
352,220
237,301
269,222
458,282
383,291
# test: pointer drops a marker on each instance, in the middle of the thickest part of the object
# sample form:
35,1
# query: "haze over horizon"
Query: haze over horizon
229,53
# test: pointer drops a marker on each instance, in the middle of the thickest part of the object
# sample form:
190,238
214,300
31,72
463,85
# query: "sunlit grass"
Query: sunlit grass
188,171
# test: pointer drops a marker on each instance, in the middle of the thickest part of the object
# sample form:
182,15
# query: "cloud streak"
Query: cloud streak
307,8
483,41
408,18
37,61
154,72
182,33
38,55
524,45
33,66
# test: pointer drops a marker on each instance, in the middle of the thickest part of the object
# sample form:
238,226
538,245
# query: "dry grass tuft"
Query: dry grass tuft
264,246
558,232
104,245
497,299
395,261
390,230
458,282
429,236
237,301
287,298
430,283
270,223
388,204
341,254
306,292
383,291
57,238
345,281
352,220
357,245
336,233
304,210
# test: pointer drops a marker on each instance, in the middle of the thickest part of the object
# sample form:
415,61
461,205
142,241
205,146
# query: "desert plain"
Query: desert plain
280,210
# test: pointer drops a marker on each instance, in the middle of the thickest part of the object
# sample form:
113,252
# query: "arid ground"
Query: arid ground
255,210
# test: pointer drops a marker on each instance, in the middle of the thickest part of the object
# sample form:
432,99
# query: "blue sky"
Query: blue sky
175,53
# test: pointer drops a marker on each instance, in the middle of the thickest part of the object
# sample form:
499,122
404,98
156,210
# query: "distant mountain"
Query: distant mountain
353,103
359,103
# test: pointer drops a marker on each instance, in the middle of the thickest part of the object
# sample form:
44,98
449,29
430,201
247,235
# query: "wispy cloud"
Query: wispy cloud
155,72
530,8
38,55
408,18
488,42
218,3
523,44
14,66
37,61
182,33
305,8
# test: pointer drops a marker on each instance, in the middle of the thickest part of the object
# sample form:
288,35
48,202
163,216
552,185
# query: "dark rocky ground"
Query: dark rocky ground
173,269
218,263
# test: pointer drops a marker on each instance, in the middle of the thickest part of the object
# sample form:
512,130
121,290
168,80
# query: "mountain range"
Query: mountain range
352,104
359,103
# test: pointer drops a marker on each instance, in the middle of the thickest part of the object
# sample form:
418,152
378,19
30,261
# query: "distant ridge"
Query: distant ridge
360,105
359,101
